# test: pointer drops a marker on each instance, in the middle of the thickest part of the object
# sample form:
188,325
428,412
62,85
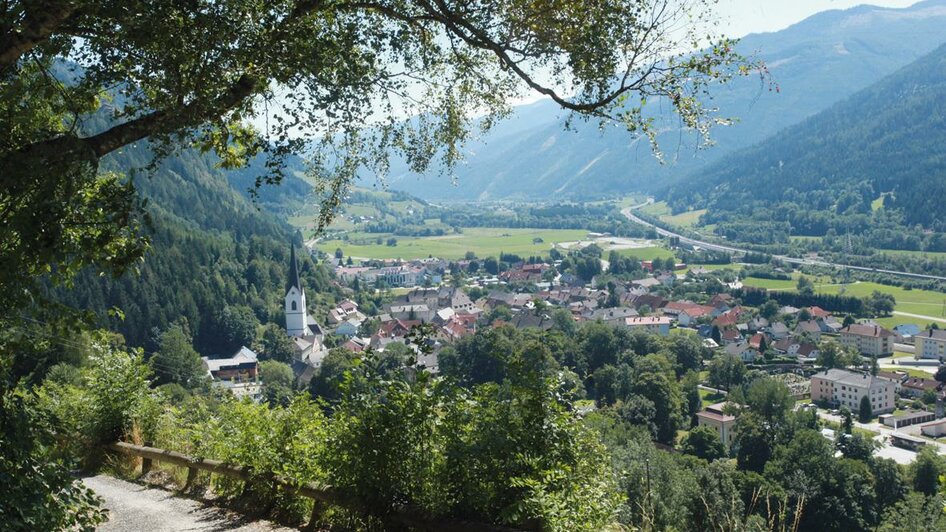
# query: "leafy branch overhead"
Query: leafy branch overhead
347,83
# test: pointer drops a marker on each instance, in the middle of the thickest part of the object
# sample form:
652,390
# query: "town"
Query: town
841,366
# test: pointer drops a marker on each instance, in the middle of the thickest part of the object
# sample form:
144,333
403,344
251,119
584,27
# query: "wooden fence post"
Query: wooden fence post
145,461
191,477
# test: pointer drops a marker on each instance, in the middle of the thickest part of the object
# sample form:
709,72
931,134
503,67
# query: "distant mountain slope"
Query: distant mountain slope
887,142
816,63
211,248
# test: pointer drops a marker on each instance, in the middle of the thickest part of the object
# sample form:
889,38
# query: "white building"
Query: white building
930,344
296,314
839,387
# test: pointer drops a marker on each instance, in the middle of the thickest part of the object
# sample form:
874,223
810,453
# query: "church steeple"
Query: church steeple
296,313
293,279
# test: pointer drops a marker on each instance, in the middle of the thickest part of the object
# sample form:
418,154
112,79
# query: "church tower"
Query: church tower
295,300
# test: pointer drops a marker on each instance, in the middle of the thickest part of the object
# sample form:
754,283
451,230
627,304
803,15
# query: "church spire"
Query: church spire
293,279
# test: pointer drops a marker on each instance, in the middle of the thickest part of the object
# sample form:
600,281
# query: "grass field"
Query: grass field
770,284
686,220
923,302
710,398
483,242
650,253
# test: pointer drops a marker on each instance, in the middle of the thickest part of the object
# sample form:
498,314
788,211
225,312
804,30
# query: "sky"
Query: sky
740,17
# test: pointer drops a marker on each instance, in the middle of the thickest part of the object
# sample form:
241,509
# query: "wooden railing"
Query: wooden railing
319,494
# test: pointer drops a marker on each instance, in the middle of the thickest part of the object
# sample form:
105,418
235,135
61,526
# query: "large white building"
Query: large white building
870,340
840,387
930,344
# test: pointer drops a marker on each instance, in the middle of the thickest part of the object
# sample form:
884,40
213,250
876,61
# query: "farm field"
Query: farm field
923,302
685,220
920,302
483,242
649,253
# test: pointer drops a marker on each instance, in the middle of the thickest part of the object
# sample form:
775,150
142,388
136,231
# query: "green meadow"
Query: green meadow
482,241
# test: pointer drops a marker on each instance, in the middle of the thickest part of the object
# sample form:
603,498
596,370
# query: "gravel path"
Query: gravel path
134,507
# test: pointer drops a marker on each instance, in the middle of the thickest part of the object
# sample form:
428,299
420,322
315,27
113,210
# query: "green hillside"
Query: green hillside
211,248
824,176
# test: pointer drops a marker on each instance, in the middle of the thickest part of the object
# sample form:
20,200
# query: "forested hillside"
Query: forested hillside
211,248
531,156
872,167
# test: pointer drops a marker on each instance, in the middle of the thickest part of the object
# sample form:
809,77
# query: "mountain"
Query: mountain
815,63
212,248
874,160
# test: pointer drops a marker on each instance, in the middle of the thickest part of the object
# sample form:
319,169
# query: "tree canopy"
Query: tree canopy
423,75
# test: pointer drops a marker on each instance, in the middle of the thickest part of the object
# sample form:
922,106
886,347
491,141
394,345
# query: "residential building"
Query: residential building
870,340
239,373
930,344
916,386
714,417
654,324
840,387
742,350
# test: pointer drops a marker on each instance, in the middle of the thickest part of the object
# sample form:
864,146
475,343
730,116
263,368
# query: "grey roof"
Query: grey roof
849,377
293,279
244,356
935,334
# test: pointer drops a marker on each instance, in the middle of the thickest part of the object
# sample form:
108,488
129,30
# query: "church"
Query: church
305,332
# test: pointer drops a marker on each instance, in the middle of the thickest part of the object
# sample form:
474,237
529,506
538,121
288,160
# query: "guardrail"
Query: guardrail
320,494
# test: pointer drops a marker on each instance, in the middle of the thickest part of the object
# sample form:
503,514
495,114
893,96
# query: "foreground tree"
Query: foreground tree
197,71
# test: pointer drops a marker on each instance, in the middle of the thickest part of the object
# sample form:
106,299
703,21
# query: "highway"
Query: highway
628,212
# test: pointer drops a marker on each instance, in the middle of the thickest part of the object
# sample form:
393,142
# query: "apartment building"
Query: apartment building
870,340
840,387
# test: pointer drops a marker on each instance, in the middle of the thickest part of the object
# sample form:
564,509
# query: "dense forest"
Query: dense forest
212,246
869,169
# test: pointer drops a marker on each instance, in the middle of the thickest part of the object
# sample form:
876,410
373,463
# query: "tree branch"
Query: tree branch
168,121
40,23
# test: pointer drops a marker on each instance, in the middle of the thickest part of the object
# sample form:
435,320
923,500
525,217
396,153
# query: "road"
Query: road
135,507
628,212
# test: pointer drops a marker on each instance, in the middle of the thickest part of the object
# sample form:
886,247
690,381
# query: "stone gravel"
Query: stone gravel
137,508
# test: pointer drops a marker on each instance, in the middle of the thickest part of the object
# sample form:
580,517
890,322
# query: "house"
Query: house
807,350
730,336
613,316
653,324
690,316
917,386
786,346
809,328
715,417
646,282
649,300
743,350
412,312
818,312
830,325
930,344
348,327
778,330
239,374
840,387
721,299
758,323
867,339
666,279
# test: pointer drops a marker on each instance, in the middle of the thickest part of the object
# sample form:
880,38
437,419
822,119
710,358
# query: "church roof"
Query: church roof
293,279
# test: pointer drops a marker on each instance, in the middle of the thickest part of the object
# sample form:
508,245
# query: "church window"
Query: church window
293,305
